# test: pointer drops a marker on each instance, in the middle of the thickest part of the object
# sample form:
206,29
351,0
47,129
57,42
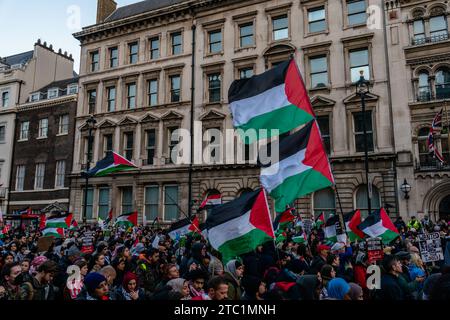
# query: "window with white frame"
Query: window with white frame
43,128
20,178
60,173
5,99
280,26
52,93
63,127
316,19
35,97
170,203
151,202
103,202
39,176
72,89
2,133
24,130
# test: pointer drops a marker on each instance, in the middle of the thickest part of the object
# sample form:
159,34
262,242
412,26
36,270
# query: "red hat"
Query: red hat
323,247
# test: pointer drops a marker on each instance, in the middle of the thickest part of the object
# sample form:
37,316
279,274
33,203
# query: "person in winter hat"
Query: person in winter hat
129,290
96,287
234,270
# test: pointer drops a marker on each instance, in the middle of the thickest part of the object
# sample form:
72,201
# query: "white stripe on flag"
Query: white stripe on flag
375,230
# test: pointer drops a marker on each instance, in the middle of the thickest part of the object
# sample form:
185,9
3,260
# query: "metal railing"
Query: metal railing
433,165
431,39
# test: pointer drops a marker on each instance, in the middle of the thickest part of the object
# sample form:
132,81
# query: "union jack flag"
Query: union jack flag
432,148
437,121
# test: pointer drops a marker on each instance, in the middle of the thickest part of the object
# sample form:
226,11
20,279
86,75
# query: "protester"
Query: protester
129,290
233,275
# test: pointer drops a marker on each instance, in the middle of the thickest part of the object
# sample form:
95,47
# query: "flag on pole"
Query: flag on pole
241,225
303,167
184,227
110,217
301,238
42,221
113,162
330,230
53,232
127,220
276,99
320,220
352,221
378,224
73,225
432,147
62,221
437,121
283,219
210,201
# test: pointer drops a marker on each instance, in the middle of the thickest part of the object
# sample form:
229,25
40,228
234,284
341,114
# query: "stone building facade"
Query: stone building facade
419,51
138,68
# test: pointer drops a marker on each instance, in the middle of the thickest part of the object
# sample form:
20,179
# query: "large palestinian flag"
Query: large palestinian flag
303,167
275,99
127,220
378,224
113,162
239,226
59,222
352,221
53,232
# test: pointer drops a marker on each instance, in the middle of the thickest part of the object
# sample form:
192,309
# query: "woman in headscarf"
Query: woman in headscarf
356,292
129,290
180,289
339,289
234,270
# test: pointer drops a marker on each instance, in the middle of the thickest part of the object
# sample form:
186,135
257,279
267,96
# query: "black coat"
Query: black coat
390,288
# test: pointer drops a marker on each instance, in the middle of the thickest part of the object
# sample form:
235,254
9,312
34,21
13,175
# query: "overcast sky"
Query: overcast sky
22,22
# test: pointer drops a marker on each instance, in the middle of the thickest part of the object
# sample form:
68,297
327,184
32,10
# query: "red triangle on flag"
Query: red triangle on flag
195,225
355,222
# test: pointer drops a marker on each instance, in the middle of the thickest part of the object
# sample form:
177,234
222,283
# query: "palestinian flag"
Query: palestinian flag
239,226
303,167
110,217
352,221
184,227
42,221
331,228
320,220
59,222
378,224
211,201
73,225
300,239
113,162
284,219
53,232
127,220
276,99
280,236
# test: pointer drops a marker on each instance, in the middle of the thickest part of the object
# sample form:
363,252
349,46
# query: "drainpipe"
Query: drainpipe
192,120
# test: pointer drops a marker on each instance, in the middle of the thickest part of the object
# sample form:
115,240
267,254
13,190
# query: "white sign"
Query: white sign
430,247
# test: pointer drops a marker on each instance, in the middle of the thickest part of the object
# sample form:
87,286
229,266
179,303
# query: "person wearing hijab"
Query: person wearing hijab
310,286
327,273
356,292
339,289
180,289
129,290
234,270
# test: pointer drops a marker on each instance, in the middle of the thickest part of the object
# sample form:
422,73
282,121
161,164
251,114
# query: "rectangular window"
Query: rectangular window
171,203
133,52
176,43
60,173
175,88
356,12
20,178
245,73
103,203
89,203
246,35
113,57
154,48
92,100
359,132
39,176
280,27
2,134
215,41
24,130
319,71
127,200
43,128
153,92
52,93
151,202
95,61
63,126
438,28
151,145
128,145
111,93
316,19
359,61
419,31
214,87
5,99
107,144
173,140
324,126
131,95
72,89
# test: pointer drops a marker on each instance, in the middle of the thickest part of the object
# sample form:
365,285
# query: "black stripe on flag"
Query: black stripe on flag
180,224
250,87
332,221
231,210
349,216
289,145
372,219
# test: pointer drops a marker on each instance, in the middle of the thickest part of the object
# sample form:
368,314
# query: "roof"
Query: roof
20,58
62,84
140,7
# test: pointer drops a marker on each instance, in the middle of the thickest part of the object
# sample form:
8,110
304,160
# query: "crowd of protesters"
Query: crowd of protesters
131,265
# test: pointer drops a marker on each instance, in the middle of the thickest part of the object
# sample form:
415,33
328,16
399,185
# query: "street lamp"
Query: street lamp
362,89
405,188
91,124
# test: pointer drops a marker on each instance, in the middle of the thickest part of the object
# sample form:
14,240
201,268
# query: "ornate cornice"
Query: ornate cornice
47,103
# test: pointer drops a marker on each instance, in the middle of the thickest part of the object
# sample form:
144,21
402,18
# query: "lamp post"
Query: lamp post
91,124
405,188
362,89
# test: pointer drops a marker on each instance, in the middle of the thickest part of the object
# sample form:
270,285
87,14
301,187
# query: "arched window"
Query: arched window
424,93
442,83
425,158
324,201
361,199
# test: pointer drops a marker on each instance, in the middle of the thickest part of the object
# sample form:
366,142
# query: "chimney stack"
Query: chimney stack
104,9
